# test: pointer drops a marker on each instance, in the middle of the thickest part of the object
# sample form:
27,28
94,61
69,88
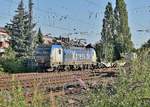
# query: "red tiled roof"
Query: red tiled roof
3,30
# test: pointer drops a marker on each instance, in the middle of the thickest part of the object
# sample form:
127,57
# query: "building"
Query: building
47,40
4,40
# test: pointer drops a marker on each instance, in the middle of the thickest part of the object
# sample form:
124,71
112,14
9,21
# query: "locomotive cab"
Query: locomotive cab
56,56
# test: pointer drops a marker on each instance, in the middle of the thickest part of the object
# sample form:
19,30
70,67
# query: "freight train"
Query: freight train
58,57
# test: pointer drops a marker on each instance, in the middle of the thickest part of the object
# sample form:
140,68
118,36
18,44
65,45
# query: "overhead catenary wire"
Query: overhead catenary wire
136,10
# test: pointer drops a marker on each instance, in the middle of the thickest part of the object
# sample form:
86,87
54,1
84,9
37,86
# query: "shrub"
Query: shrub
17,97
1,69
12,65
132,86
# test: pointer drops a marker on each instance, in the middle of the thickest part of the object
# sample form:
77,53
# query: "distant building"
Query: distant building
47,40
66,41
4,40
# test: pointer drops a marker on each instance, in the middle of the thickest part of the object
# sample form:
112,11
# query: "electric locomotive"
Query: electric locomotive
58,57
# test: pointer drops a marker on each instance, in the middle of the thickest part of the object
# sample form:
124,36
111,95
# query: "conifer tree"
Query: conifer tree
21,31
99,50
31,27
122,30
18,30
39,37
146,45
108,33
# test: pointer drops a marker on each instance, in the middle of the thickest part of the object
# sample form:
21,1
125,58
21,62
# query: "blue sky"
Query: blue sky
65,17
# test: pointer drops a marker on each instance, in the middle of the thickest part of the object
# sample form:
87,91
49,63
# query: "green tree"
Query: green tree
21,31
32,32
108,33
39,37
147,44
122,31
99,51
9,63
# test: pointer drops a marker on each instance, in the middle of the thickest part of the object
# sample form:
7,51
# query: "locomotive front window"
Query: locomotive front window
59,51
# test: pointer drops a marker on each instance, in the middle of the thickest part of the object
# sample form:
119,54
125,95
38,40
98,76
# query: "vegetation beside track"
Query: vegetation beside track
19,97
132,87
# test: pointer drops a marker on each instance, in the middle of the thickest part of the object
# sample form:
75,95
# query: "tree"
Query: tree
99,51
108,24
39,37
108,50
18,31
122,30
108,33
31,28
146,45
21,31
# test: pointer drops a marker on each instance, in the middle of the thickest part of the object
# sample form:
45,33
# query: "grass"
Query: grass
17,97
132,87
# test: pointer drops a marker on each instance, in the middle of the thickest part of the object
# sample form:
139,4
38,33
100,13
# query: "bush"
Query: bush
132,86
12,65
17,97
1,69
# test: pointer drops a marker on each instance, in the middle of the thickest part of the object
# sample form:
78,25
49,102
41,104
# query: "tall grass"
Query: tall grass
131,89
19,97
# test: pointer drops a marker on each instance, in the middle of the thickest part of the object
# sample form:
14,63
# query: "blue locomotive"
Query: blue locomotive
58,57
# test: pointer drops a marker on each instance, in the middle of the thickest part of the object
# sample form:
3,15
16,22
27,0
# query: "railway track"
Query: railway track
50,79
53,83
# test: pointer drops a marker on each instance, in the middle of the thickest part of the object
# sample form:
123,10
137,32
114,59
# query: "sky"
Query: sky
80,18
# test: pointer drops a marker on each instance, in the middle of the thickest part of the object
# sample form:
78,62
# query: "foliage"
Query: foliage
108,33
39,37
146,45
17,97
116,36
108,49
99,51
108,23
1,69
10,64
132,87
122,30
9,54
21,31
14,66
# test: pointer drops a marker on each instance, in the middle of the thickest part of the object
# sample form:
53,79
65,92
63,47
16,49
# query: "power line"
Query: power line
72,30
58,27
92,3
138,9
64,17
